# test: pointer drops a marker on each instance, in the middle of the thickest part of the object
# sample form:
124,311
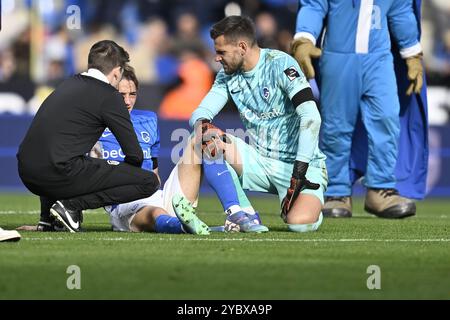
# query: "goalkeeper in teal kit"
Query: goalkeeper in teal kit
276,105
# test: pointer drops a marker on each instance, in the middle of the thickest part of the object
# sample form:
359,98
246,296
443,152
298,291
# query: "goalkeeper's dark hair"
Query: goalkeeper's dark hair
129,74
234,28
106,55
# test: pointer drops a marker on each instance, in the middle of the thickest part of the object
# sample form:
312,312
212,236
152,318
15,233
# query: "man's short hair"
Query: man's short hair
233,28
129,74
106,55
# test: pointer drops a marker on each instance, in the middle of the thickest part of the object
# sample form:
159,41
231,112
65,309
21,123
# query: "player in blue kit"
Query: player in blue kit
357,78
276,105
168,210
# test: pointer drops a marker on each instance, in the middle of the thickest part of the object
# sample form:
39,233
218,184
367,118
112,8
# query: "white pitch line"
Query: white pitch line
242,239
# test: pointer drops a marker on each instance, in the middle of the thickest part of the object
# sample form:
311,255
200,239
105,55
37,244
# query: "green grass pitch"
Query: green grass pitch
413,256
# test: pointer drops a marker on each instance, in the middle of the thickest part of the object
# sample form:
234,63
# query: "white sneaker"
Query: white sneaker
6,235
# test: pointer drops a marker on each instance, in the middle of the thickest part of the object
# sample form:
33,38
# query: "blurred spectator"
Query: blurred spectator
436,39
59,60
96,32
7,65
15,19
266,27
284,40
22,50
154,42
56,73
187,35
436,45
13,79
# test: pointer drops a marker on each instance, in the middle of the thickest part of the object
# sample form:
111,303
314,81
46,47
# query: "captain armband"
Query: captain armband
302,97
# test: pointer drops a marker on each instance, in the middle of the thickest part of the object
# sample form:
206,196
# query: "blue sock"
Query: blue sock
220,179
168,224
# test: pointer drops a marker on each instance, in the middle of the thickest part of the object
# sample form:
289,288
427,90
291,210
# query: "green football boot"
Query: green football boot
186,214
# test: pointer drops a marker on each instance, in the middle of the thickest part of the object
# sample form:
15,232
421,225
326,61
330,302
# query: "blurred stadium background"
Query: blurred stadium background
44,41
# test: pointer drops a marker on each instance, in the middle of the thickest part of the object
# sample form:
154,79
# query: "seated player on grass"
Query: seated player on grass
170,210
277,108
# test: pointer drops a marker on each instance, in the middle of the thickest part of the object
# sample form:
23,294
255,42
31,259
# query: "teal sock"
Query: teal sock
242,197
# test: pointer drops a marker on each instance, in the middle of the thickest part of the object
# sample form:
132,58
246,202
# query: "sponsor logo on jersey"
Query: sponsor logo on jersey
251,115
118,153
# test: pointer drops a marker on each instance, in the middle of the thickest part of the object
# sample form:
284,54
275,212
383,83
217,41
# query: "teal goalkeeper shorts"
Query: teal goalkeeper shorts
264,174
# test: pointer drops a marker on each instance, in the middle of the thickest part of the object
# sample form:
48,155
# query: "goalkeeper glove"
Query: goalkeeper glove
210,137
298,184
415,74
303,50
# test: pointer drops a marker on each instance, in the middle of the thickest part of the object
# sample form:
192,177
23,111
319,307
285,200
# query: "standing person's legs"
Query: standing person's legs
380,110
380,113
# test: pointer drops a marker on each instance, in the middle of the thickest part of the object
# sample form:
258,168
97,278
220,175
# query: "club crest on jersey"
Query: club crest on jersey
265,93
291,73
145,136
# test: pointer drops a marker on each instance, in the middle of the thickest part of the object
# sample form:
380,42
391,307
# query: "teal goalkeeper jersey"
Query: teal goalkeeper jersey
263,98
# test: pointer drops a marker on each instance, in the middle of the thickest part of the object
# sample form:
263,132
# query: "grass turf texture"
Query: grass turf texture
413,254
